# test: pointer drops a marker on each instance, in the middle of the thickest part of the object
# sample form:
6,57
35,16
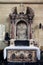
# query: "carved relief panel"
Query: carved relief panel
21,55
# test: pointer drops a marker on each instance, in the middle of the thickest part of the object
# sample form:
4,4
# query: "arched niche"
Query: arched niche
21,30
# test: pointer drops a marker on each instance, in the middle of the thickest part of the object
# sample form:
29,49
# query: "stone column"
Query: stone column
12,30
30,31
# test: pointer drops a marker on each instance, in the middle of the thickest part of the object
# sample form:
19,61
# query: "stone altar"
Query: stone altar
20,29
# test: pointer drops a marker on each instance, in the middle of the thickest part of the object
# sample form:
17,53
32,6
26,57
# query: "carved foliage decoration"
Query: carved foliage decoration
30,13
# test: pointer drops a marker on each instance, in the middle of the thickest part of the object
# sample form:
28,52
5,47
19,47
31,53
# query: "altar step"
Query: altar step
11,63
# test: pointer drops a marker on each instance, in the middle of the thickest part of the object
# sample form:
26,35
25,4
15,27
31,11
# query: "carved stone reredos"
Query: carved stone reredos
21,22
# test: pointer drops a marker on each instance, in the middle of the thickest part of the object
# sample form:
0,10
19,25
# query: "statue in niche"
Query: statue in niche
22,31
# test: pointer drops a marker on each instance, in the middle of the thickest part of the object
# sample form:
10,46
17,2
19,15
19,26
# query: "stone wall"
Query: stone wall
21,0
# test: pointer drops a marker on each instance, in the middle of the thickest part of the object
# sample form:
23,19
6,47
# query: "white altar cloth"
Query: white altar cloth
23,48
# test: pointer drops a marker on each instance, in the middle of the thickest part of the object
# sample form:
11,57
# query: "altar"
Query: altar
21,53
20,49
